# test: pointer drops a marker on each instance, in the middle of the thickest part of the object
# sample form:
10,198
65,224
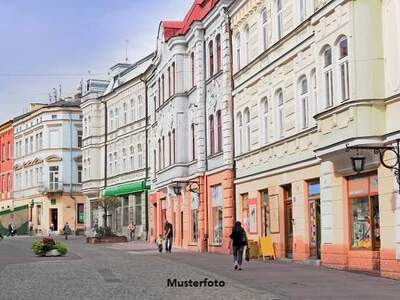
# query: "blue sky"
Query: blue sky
71,37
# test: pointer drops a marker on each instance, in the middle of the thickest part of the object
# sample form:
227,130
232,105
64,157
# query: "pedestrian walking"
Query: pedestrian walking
131,230
51,231
30,228
66,230
168,236
238,240
9,229
13,229
159,243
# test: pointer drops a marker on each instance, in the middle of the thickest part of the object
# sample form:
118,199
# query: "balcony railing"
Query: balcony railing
51,187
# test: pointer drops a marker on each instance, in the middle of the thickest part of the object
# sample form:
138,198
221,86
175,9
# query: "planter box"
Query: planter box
108,239
53,252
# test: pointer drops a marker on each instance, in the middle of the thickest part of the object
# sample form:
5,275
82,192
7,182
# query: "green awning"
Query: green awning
126,189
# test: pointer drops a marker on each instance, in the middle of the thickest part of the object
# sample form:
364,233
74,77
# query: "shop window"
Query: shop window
314,218
216,198
195,217
81,213
245,210
125,212
364,210
138,209
265,212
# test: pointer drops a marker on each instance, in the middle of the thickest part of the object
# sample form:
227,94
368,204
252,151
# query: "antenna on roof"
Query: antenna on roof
59,91
126,50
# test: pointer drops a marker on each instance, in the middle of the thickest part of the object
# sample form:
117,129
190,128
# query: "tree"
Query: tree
107,203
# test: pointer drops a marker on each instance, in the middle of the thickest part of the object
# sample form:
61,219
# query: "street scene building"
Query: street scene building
48,165
308,82
115,147
190,129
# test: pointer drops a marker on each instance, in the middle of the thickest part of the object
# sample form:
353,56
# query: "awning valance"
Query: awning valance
126,189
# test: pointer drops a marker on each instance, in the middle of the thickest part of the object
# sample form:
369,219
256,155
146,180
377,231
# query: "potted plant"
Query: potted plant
49,247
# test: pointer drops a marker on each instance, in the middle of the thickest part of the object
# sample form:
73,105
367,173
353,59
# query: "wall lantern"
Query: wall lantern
177,189
358,161
190,186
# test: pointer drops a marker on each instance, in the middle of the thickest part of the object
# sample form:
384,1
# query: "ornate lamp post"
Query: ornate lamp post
358,161
31,207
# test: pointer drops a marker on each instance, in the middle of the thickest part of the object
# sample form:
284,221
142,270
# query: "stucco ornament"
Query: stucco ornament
214,93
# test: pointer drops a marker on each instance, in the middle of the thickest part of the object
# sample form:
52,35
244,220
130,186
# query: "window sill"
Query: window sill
210,156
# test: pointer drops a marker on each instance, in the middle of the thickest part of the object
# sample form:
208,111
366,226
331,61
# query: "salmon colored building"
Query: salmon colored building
191,129
6,161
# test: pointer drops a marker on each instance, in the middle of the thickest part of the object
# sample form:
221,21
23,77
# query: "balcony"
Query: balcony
51,187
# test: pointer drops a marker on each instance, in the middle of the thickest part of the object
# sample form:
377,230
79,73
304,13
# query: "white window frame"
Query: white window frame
247,121
280,113
133,110
328,78
279,19
239,122
264,119
302,10
237,51
343,67
304,102
246,33
264,28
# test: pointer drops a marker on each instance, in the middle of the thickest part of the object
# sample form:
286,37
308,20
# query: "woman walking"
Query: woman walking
238,242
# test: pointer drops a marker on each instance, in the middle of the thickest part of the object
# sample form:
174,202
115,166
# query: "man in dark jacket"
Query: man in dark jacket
168,229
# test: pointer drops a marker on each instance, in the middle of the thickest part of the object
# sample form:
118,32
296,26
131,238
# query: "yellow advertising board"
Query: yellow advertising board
267,247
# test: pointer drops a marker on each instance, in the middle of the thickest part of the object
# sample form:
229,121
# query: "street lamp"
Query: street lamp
191,186
358,161
31,207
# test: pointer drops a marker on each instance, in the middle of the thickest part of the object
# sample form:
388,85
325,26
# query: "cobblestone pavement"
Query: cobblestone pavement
136,271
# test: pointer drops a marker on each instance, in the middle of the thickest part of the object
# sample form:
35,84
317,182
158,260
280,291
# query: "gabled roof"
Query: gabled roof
197,12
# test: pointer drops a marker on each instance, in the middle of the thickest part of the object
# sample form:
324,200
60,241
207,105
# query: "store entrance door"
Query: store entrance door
315,228
289,229
54,218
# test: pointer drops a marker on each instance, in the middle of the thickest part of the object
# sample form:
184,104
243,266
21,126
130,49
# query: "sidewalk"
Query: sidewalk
287,280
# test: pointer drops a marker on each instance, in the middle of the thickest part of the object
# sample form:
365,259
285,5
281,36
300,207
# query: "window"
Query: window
264,28
169,149
115,162
246,43
111,122
125,211
162,88
81,213
314,91
279,19
54,117
163,152
159,92
237,51
281,117
217,213
79,139
328,76
193,135
264,119
247,129
364,205
140,108
219,131
219,58
159,154
239,122
173,77
211,58
54,136
155,107
131,158
195,217
192,67
154,163
344,69
133,110
53,178
173,146
169,81
124,160
125,112
304,105
41,140
140,156
9,150
138,209
26,148
110,163
30,145
303,10
212,136
116,118
79,174
265,213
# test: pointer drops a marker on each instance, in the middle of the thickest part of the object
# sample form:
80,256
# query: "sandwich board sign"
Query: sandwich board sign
267,247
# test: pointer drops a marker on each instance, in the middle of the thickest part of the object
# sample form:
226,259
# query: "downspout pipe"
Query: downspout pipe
146,192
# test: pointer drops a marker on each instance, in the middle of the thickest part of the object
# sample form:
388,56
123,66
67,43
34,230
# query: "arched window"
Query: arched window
265,119
124,162
219,131
115,162
246,43
169,149
239,122
279,19
344,68
140,156
237,51
211,58
328,76
303,10
304,102
192,67
212,135
140,107
132,156
162,88
281,116
125,108
193,135
313,86
219,58
173,146
116,117
264,29
133,110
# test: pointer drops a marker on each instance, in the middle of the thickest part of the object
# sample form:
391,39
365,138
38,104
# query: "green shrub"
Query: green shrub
61,248
104,232
38,248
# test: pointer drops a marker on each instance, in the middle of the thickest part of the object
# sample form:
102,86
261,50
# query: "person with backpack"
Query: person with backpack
66,230
238,240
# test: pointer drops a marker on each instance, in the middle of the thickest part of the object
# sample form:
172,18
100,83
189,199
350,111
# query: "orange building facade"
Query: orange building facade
6,161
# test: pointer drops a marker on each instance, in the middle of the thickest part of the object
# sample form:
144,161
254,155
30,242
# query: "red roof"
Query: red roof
197,12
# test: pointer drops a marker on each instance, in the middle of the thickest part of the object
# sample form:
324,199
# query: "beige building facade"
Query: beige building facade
311,77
